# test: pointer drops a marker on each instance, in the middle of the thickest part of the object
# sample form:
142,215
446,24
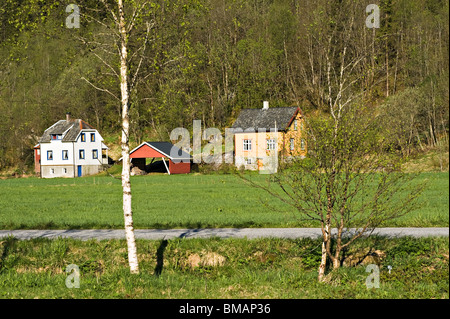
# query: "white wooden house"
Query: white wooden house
70,148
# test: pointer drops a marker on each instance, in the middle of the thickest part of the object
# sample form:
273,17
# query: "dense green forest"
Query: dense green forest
208,59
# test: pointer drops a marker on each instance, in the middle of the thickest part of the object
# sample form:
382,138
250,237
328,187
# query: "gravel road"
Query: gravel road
249,233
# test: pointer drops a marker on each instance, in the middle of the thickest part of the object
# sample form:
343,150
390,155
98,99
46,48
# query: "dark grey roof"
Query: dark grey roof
166,148
265,118
72,129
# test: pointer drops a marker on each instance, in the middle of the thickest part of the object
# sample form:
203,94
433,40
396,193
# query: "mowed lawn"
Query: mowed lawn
176,201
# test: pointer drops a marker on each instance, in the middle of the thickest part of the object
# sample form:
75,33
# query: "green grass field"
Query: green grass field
176,201
182,268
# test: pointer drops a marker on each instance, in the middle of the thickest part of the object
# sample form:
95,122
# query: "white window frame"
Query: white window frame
302,144
248,161
292,144
295,125
271,144
58,137
247,143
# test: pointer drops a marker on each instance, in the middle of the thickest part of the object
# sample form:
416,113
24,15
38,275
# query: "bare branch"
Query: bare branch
149,26
105,3
100,89
101,23
164,64
135,15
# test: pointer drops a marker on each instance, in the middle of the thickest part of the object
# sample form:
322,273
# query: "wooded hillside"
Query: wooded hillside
208,59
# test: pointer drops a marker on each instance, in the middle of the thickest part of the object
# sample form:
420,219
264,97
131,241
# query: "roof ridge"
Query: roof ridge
265,118
270,108
70,130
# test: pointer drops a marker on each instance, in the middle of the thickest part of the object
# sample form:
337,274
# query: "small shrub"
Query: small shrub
410,247
311,260
90,266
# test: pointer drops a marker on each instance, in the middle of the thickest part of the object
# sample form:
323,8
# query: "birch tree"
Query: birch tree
347,182
125,16
126,184
333,73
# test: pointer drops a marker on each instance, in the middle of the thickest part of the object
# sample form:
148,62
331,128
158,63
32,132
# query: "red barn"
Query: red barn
179,161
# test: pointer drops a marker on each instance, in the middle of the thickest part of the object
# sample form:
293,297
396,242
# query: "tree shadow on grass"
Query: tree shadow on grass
6,247
160,257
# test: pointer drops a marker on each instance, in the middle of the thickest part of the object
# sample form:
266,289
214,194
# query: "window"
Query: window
83,137
271,144
81,154
248,161
52,171
295,125
92,137
302,144
65,155
56,136
95,154
50,155
65,170
38,152
291,144
247,145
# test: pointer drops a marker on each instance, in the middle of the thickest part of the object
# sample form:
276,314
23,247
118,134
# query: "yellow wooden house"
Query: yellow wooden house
264,136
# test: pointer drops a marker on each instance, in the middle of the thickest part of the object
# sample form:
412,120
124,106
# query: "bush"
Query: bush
410,247
311,261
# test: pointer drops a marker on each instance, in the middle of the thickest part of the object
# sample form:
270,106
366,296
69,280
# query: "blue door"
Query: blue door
79,170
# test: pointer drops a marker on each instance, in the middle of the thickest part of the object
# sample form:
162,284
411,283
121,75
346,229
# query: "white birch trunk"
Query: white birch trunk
323,261
126,185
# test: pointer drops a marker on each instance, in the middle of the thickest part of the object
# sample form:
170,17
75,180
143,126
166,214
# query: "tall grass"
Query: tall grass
262,268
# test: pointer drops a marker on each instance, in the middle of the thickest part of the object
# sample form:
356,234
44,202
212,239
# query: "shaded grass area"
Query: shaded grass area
176,201
219,268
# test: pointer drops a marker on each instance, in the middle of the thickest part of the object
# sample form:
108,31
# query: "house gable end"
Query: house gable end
145,151
157,149
293,118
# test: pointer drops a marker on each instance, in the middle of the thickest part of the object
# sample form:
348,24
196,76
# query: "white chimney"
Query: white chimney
265,105
68,116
